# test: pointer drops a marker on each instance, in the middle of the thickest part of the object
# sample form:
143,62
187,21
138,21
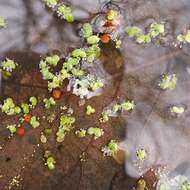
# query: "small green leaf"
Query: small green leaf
93,40
53,60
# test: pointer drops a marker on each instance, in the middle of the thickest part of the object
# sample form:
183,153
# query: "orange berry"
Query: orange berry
27,118
56,93
105,38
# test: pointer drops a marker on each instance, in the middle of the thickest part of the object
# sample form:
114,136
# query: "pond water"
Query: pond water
130,72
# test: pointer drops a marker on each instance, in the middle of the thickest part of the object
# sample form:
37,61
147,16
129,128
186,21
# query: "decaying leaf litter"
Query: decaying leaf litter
144,88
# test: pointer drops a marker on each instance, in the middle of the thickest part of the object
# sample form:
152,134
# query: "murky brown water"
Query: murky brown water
132,71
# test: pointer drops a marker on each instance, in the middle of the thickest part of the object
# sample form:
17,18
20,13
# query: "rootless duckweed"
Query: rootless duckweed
53,60
184,38
141,154
141,185
33,101
65,126
177,109
48,103
7,67
51,3
184,183
97,132
50,160
65,12
90,110
110,149
111,14
168,82
34,122
156,29
81,133
87,30
25,108
12,128
2,22
9,107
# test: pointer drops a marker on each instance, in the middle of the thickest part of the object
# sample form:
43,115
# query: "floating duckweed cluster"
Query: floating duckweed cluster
126,106
62,10
7,67
97,132
177,109
90,110
50,160
12,128
184,38
9,107
34,122
81,133
141,184
66,122
110,149
51,3
168,82
141,154
48,103
2,22
155,30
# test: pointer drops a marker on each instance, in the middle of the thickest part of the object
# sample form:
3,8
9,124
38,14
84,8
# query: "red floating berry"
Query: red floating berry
105,38
27,118
20,131
56,93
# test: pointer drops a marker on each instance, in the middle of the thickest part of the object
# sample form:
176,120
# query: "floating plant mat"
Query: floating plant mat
89,83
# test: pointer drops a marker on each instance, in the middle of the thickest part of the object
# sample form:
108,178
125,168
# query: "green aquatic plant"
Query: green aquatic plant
25,108
111,148
65,126
33,101
156,29
87,30
141,154
104,117
177,109
48,103
143,38
184,38
97,132
34,122
51,163
168,82
2,22
141,184
52,60
127,106
51,3
93,40
184,183
9,107
78,53
65,12
117,43
90,110
96,84
133,31
81,133
92,53
12,128
7,67
112,14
